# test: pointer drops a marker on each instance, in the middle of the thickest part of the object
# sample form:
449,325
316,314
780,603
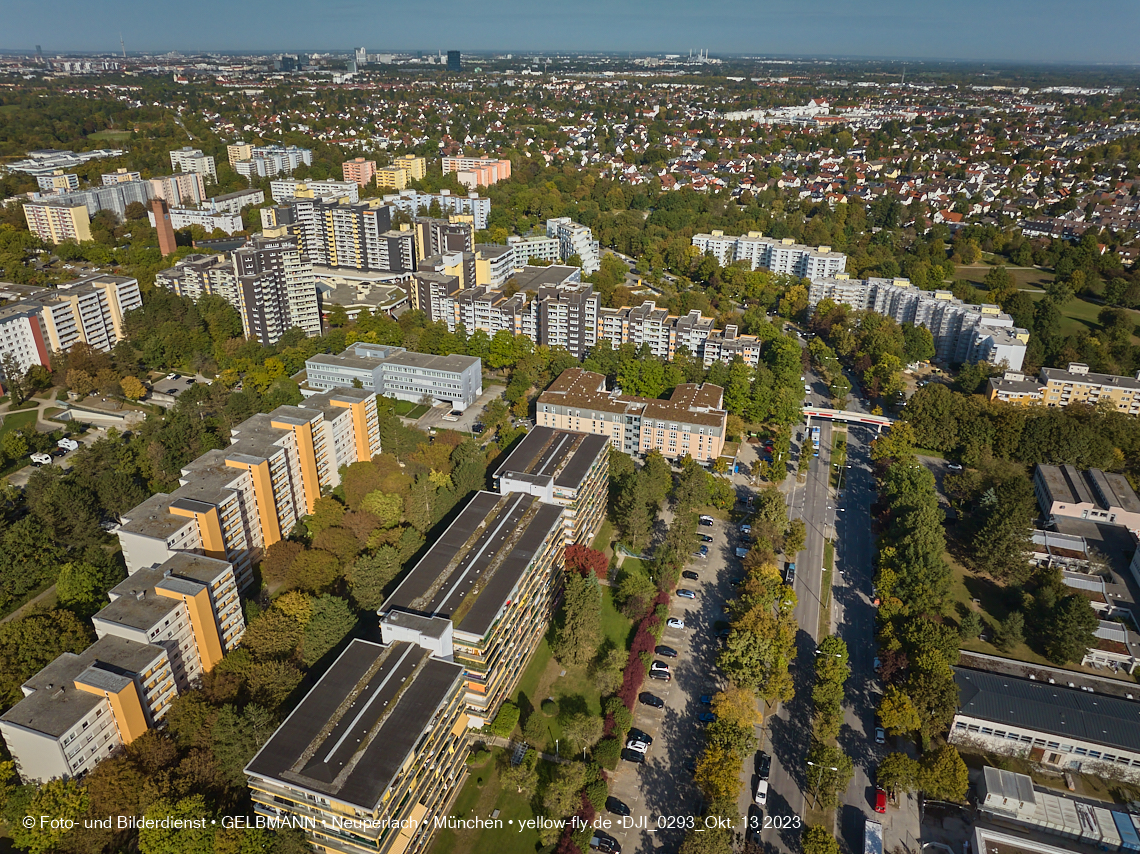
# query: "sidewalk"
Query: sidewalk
508,744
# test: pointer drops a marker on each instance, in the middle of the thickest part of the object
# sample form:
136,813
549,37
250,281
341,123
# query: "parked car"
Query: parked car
172,376
616,807
41,459
666,651
746,528
877,664
68,444
639,746
651,700
686,594
763,765
760,794
661,675
633,756
954,466
790,573
659,665
675,623
705,538
706,699
703,551
880,735
707,521
706,717
689,574
640,735
880,800
605,843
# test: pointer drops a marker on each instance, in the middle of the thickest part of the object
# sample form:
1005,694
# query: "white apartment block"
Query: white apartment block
575,239
62,182
90,310
524,250
284,190
779,256
962,333
22,336
267,161
195,275
120,176
414,203
187,159
235,203
230,223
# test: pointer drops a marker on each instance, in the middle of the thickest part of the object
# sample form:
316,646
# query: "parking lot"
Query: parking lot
660,794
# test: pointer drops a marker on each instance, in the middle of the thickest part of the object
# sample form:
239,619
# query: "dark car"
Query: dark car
477,427
705,538
632,756
651,700
661,675
686,594
706,699
706,717
605,843
666,651
616,807
689,574
763,765
636,734
703,551
790,574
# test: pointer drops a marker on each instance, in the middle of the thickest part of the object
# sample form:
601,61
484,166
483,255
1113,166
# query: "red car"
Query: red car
880,800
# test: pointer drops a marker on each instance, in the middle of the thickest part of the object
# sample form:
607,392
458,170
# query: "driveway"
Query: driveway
660,793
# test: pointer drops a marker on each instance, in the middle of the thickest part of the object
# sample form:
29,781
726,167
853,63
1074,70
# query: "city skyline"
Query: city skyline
1051,32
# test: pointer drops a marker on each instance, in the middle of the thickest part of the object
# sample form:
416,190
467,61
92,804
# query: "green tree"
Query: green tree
313,570
370,575
177,840
327,512
30,644
1070,626
933,692
825,782
578,630
332,620
386,507
818,840
237,736
563,793
944,775
898,773
505,720
522,777
81,586
60,801
582,730
1010,632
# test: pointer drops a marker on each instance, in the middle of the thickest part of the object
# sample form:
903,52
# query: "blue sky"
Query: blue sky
1098,31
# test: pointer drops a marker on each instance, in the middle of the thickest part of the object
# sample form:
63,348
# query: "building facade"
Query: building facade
276,288
1076,384
58,182
1095,495
209,220
482,595
359,171
271,160
114,197
414,203
179,190
475,172
574,239
235,502
780,256
58,223
284,190
187,159
693,422
962,333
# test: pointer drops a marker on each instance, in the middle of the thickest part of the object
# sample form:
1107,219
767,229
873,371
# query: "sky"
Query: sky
1072,31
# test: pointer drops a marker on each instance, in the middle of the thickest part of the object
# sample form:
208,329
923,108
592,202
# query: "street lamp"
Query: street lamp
819,779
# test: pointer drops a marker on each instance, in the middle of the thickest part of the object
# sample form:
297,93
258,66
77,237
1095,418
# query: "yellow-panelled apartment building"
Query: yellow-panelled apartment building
1057,387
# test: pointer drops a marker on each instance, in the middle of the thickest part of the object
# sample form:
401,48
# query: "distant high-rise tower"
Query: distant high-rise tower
453,63
361,57
166,242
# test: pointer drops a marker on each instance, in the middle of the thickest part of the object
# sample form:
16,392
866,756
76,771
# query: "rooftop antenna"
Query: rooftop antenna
123,45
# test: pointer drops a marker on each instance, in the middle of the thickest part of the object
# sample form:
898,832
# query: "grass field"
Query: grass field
480,796
407,409
1078,314
605,539
1025,277
825,587
110,134
17,421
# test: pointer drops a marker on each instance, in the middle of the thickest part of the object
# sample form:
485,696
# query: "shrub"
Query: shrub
478,757
550,707
607,752
505,721
596,793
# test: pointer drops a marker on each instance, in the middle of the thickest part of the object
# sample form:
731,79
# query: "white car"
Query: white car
68,444
674,623
639,746
172,376
880,735
761,793
41,459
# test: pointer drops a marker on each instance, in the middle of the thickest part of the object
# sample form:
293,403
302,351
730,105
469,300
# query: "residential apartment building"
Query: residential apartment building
236,202
114,198
1095,495
780,256
359,171
209,220
693,422
399,373
188,605
120,176
179,190
372,756
235,502
58,182
336,233
195,275
22,335
1076,384
416,166
238,151
276,288
534,248
1062,728
483,594
81,708
391,177
564,468
574,239
493,264
475,172
187,159
414,203
284,190
441,236
270,160
57,223
962,333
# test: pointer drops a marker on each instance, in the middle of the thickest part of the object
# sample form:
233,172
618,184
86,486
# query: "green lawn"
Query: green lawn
825,588
418,411
1078,314
403,407
17,421
110,134
604,541
1025,277
480,796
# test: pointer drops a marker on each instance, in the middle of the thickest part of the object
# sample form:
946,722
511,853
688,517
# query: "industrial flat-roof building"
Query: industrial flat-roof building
399,373
564,468
1093,494
371,755
483,594
1064,728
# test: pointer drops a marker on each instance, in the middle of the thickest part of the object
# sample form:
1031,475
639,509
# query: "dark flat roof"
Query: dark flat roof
473,567
1052,709
562,454
353,732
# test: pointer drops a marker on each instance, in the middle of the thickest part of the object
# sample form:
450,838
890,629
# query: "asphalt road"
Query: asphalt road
660,794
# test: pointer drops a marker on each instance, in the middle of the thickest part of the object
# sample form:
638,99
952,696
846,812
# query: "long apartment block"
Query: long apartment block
81,708
779,256
962,333
568,469
483,594
235,502
1063,386
693,422
372,755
